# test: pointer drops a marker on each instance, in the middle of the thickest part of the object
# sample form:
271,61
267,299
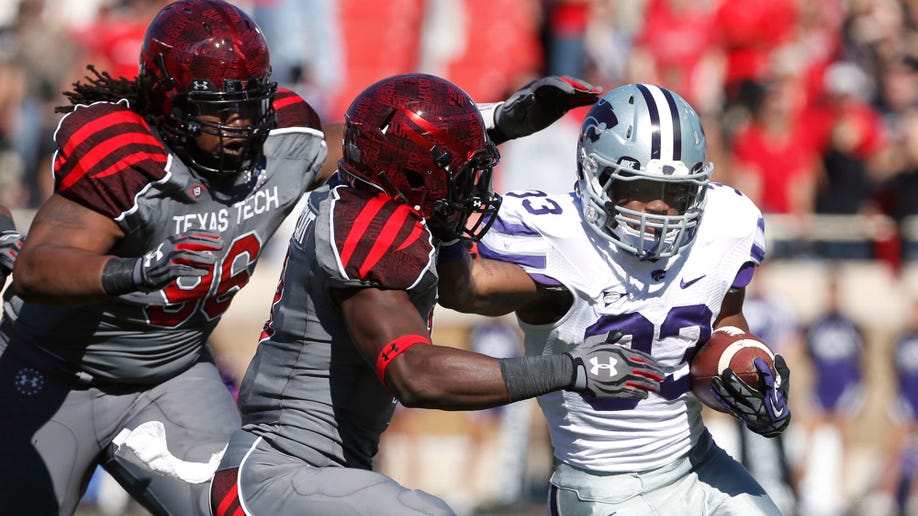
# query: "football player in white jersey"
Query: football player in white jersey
648,251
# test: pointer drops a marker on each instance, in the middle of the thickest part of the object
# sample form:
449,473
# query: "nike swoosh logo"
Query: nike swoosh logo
771,401
689,283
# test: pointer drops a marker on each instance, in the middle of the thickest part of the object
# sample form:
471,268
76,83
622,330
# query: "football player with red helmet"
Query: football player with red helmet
167,187
349,329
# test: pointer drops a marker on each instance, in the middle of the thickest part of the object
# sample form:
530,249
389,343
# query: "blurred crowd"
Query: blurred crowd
810,108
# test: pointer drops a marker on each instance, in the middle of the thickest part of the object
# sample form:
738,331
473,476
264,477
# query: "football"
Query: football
728,347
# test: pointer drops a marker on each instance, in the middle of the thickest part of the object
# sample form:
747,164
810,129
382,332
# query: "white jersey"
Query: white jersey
664,307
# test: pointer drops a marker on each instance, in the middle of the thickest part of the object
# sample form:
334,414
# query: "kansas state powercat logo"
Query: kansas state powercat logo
600,118
28,381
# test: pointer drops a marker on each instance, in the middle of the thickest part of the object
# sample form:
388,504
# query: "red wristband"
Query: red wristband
393,349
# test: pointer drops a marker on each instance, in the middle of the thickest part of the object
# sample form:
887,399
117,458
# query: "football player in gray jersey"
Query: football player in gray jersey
349,329
167,188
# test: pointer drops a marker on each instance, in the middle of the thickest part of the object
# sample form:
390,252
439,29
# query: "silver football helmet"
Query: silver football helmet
643,142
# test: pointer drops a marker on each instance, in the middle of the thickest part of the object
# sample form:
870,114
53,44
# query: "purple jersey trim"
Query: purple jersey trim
509,228
535,262
744,276
757,252
532,262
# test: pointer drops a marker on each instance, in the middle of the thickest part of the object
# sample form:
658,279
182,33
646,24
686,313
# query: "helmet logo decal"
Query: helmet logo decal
201,85
602,118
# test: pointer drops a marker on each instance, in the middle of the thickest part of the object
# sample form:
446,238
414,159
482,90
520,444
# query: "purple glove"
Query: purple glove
763,410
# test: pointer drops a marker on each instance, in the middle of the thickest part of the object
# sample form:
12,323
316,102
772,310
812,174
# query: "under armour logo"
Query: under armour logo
199,85
28,381
610,367
153,256
392,349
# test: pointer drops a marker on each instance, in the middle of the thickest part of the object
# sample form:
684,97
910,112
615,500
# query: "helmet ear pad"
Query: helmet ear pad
641,134
421,140
208,68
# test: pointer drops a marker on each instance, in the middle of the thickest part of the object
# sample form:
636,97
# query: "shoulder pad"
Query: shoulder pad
106,154
380,241
293,111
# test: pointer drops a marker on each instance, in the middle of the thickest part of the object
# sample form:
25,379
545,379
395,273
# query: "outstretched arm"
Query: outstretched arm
537,105
482,286
391,335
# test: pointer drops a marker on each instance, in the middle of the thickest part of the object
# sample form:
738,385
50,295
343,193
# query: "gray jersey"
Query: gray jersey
109,160
308,391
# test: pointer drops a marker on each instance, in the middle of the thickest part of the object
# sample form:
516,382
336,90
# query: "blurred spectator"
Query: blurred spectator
39,62
676,48
749,32
610,31
835,347
895,490
897,197
851,137
897,92
775,162
306,47
112,42
566,25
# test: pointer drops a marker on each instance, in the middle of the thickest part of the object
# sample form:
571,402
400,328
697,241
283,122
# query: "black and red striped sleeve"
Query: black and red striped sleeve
293,111
379,241
106,154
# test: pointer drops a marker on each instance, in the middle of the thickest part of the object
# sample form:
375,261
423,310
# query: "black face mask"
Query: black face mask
471,196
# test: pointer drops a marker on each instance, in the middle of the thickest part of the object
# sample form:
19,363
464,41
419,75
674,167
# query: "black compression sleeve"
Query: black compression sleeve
528,377
118,276
6,223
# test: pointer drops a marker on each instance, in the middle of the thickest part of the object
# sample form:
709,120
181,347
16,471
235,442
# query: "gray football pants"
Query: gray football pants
54,434
706,482
266,482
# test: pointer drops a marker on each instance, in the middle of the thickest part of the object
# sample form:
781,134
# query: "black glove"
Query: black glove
190,254
763,410
609,370
10,244
539,104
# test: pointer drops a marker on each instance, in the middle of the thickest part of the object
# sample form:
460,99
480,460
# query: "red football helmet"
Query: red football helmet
420,139
207,57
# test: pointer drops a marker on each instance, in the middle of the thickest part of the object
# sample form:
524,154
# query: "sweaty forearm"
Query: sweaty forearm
60,276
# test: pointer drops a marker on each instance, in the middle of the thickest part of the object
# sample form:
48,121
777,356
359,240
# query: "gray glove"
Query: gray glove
191,254
608,370
10,244
538,105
